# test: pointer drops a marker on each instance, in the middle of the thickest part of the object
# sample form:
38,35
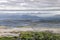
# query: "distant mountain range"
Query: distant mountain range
27,20
18,17
27,17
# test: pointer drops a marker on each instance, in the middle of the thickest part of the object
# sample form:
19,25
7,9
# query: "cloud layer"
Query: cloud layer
29,4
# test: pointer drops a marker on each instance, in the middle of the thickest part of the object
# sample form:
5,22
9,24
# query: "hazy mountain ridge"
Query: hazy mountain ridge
28,20
29,17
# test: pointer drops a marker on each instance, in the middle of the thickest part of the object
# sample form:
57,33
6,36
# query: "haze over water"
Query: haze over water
39,19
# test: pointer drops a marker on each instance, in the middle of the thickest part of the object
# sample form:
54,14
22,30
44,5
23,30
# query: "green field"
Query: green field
7,38
34,36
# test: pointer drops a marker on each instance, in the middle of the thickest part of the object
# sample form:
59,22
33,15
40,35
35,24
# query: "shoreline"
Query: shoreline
16,31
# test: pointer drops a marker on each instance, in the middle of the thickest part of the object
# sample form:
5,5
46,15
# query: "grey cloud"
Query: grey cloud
32,4
37,3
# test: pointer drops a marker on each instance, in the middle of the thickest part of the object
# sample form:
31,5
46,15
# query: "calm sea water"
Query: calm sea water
25,23
14,20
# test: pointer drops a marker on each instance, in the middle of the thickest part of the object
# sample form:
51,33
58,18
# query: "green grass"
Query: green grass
34,36
39,36
7,38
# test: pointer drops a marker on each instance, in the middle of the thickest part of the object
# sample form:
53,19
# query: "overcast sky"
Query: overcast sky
29,4
46,5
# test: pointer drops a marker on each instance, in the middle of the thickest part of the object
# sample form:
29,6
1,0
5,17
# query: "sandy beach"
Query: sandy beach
15,31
